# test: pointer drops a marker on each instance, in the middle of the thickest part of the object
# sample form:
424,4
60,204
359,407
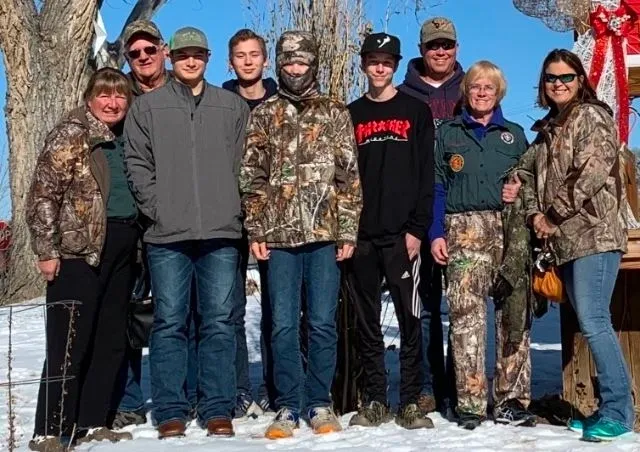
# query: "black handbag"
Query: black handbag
140,318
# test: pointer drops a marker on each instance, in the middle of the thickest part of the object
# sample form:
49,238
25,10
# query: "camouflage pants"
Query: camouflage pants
475,243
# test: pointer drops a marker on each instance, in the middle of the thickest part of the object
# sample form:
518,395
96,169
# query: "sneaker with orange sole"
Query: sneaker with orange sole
323,420
283,425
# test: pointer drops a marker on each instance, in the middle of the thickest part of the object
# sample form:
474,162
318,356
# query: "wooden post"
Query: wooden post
579,373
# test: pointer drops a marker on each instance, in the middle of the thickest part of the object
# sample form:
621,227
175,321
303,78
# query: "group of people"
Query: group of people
407,184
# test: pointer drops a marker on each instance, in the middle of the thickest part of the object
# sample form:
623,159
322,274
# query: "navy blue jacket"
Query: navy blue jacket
270,86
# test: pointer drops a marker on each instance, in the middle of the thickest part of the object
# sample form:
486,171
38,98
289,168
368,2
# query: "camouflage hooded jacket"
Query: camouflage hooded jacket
579,183
299,176
66,212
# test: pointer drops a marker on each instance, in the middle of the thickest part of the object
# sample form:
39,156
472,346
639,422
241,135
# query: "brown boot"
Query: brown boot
102,434
171,429
46,444
426,403
220,427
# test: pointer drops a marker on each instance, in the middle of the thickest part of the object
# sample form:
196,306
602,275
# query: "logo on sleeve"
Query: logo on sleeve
507,137
456,162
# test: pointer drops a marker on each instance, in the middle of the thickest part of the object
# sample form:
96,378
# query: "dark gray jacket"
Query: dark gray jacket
183,162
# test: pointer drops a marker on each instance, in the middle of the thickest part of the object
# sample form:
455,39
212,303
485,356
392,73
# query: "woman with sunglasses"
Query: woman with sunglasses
474,151
578,210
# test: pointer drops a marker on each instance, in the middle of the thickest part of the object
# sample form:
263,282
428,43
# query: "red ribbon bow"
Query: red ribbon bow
613,25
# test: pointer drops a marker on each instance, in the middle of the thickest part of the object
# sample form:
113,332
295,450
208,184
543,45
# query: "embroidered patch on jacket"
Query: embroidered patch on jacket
456,162
507,137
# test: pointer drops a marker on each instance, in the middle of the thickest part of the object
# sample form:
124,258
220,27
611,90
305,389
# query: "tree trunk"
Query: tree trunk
47,65
48,61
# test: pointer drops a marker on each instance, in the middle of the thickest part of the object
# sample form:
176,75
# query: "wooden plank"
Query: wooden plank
634,81
632,331
631,260
577,366
579,372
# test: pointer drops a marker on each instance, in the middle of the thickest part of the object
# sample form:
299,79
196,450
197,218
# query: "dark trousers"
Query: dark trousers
86,341
369,264
267,389
438,376
243,383
129,396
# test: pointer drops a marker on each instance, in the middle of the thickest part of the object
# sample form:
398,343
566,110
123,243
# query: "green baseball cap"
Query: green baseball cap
188,37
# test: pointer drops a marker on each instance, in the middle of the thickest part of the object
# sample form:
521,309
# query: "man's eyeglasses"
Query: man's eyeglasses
135,54
436,44
564,78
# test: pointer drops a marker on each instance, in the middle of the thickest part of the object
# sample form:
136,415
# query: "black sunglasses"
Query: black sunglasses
564,78
446,44
135,54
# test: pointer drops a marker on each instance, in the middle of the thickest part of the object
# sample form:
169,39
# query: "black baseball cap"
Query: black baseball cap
381,42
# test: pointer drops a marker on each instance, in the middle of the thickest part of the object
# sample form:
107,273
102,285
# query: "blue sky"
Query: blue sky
500,33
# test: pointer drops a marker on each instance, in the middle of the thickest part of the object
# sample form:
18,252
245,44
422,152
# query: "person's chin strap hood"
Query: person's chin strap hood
297,47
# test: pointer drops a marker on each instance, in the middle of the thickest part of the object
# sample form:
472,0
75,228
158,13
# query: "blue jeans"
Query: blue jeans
316,266
243,383
131,397
590,281
214,264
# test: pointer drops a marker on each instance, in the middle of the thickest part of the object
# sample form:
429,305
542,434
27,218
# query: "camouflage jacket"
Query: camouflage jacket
513,291
579,182
66,212
299,176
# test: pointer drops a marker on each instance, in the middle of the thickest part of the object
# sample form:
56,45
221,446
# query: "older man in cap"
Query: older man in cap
301,194
146,54
184,146
434,78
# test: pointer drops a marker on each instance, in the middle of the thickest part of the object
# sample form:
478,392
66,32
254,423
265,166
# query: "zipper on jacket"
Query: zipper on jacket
194,154
104,202
304,235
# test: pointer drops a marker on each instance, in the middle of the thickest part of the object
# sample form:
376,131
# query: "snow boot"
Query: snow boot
372,415
412,417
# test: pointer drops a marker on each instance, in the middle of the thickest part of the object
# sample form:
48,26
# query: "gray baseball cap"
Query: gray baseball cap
437,28
188,37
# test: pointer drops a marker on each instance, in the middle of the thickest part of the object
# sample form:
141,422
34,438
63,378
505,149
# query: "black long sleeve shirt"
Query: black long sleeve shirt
395,157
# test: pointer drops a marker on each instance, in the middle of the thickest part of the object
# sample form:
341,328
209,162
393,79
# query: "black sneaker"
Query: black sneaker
469,421
512,412
265,406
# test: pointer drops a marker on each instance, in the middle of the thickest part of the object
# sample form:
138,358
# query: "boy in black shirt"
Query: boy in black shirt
395,136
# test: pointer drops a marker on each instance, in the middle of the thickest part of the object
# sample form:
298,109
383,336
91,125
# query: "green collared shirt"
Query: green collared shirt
472,170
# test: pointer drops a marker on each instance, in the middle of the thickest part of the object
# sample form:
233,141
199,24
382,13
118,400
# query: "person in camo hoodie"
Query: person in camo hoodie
302,199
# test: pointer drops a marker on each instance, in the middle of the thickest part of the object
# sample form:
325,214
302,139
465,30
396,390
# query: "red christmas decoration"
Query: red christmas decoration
611,27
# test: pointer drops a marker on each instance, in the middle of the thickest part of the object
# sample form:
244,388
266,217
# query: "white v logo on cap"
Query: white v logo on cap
384,41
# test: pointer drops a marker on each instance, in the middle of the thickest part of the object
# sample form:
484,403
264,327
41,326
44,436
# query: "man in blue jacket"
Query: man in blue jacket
434,78
184,146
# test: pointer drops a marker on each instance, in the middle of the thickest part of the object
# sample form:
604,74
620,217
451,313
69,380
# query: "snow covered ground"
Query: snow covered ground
27,340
